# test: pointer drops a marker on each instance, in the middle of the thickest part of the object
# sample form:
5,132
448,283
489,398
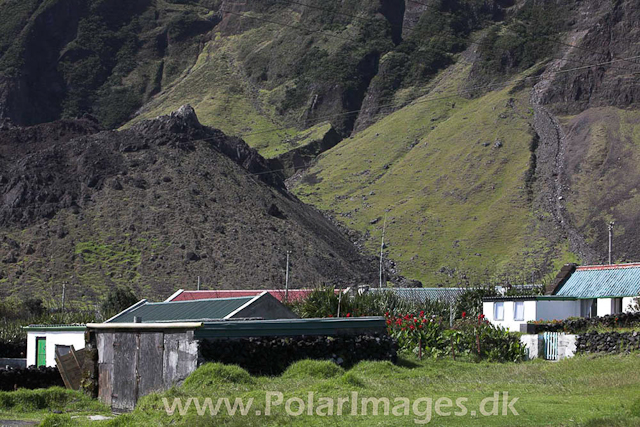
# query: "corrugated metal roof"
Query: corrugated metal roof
423,294
294,294
603,281
73,327
176,311
290,327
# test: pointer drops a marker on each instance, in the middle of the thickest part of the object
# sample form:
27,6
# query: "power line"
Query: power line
419,101
469,90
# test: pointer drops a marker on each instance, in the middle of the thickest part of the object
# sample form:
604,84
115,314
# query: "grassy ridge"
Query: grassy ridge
220,96
587,391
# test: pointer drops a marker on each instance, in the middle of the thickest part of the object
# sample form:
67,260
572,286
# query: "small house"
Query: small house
43,341
577,291
261,306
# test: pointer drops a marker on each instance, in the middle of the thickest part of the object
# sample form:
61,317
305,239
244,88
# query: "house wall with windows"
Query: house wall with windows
54,336
510,314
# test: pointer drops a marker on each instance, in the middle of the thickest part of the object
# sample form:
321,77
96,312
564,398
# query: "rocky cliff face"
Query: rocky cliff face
585,171
153,207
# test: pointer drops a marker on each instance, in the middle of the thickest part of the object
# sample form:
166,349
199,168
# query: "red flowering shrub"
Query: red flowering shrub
477,338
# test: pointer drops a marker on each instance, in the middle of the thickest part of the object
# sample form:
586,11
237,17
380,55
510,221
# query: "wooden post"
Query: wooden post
382,248
286,280
453,350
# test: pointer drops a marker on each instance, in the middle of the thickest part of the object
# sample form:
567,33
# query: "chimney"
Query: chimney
563,275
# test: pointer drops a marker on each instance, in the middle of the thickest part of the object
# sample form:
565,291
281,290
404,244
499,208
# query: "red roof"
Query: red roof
608,266
294,294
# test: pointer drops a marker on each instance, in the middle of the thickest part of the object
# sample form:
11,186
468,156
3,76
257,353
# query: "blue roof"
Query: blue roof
177,311
423,294
603,281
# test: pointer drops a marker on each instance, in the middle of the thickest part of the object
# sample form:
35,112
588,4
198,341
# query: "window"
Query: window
518,312
498,311
61,350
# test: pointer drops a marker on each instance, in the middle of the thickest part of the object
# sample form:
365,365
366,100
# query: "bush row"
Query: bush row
30,378
609,342
10,348
578,325
272,355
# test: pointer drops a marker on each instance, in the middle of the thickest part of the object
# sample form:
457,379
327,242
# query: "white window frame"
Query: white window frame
495,310
515,310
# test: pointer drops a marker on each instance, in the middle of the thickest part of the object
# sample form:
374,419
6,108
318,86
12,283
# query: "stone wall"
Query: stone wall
609,342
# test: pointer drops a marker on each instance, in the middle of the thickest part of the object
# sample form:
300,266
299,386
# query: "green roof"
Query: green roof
177,311
55,328
603,281
290,327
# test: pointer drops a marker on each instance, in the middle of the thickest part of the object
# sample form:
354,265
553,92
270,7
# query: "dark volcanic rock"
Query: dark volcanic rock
154,207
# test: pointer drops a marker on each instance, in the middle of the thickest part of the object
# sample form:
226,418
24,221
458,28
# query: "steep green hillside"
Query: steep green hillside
450,175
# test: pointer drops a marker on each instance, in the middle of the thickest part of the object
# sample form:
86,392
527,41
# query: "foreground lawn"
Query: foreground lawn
587,390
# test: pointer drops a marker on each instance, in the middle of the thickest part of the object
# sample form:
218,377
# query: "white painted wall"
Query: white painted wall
74,338
626,302
604,306
558,309
567,345
508,321
534,345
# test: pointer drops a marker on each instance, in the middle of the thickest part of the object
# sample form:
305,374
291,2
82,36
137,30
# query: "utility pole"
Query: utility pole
611,224
198,282
384,226
64,288
286,280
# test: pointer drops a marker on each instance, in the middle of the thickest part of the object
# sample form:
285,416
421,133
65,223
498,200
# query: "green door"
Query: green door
41,352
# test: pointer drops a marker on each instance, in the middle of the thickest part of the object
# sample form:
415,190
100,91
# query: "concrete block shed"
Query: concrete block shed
135,359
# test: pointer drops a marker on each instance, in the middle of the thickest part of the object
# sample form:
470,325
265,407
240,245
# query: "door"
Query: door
41,351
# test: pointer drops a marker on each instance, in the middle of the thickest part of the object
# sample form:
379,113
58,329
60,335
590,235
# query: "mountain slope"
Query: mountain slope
499,137
153,207
484,180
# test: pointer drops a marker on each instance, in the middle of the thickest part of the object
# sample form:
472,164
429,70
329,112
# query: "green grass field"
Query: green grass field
586,390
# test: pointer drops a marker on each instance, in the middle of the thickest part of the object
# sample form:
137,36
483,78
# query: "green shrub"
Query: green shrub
321,369
58,420
472,337
117,300
524,40
635,408
211,374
